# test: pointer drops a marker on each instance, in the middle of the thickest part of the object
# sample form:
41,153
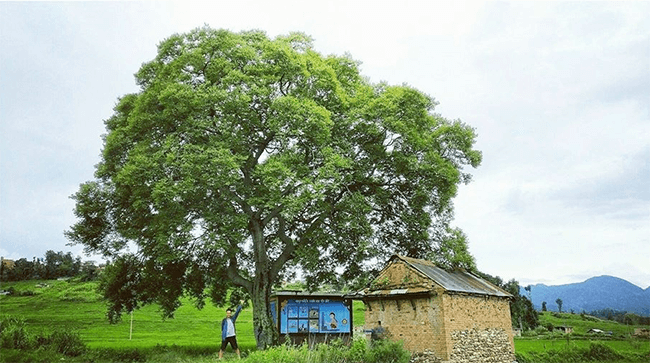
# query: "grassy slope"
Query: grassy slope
582,325
77,306
618,341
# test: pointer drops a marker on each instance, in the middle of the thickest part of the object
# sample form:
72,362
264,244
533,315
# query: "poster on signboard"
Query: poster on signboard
314,316
335,317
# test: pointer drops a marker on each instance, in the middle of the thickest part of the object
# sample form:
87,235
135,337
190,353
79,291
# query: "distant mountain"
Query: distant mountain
596,293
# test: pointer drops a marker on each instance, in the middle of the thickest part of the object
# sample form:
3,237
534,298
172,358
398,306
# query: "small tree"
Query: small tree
543,305
559,304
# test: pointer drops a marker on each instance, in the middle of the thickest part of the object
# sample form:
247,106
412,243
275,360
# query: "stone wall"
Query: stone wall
486,346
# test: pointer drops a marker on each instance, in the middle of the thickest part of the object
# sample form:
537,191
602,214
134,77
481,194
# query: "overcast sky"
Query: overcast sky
559,94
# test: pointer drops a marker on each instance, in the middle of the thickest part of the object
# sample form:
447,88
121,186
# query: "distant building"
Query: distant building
453,314
595,331
642,332
6,263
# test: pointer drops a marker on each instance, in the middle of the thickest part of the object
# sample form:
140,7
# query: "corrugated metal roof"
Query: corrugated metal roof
458,281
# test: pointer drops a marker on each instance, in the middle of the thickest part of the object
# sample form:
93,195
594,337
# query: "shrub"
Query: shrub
335,352
601,353
13,334
385,351
67,343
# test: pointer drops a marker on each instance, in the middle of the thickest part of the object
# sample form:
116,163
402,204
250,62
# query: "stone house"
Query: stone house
455,315
6,263
642,332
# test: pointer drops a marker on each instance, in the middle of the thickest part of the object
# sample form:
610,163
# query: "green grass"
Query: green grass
581,346
582,324
193,336
77,306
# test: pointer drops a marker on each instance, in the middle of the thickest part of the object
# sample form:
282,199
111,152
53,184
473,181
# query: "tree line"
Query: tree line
620,316
53,266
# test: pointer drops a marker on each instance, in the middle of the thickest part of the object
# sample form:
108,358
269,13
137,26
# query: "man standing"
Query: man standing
228,334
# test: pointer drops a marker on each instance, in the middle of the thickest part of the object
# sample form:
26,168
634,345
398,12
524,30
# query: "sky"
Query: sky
558,92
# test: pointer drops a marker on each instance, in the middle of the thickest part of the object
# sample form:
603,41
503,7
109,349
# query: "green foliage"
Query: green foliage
452,251
593,352
67,343
52,266
622,317
14,335
359,351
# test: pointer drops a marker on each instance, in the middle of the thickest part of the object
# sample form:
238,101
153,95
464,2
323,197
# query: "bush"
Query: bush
385,351
359,351
601,353
13,334
67,343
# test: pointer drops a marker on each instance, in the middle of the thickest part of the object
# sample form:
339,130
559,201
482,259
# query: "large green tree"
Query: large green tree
243,158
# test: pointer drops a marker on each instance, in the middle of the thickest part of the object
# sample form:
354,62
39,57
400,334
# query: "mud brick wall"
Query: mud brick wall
421,329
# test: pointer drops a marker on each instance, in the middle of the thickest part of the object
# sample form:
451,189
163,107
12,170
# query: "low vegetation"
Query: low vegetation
47,321
548,345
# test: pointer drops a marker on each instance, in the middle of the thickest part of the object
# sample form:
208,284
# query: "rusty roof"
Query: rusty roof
456,281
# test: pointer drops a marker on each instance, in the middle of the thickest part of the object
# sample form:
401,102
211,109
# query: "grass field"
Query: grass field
76,306
541,345
544,346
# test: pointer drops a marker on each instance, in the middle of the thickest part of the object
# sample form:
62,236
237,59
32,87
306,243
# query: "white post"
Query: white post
131,330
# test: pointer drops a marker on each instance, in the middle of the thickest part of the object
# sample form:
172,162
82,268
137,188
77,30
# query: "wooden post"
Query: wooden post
131,330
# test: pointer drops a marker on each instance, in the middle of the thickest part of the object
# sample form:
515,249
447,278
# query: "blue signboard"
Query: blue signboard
314,316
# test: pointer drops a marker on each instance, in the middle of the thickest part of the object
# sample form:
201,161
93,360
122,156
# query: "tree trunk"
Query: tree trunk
264,328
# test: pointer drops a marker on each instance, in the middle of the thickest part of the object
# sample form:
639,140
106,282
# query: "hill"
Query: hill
596,293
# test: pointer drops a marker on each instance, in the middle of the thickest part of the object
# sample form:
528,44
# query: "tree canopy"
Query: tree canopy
243,158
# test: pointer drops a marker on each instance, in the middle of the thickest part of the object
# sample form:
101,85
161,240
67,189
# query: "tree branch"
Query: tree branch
287,252
233,273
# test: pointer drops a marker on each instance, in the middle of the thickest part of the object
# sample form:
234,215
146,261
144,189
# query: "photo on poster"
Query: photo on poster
313,312
303,326
293,326
313,325
292,311
304,311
